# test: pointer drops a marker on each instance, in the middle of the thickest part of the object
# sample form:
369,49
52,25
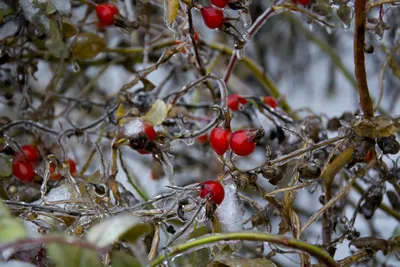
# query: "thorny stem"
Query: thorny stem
284,241
359,58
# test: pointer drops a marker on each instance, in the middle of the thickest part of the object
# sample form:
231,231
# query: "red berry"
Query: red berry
150,132
212,17
219,3
54,173
213,189
270,101
23,170
202,139
72,166
304,2
28,153
219,140
371,154
241,143
106,13
235,101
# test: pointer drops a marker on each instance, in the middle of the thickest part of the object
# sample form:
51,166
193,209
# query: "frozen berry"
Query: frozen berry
23,170
270,101
28,153
106,13
244,142
219,3
212,17
371,154
202,139
55,174
213,189
219,140
150,132
304,2
235,101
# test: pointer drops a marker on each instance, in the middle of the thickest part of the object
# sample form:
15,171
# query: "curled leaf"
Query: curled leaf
110,230
157,113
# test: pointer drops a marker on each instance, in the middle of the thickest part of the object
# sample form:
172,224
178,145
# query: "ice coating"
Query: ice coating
231,211
132,128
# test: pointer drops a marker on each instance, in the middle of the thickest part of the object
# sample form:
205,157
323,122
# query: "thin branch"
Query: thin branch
359,58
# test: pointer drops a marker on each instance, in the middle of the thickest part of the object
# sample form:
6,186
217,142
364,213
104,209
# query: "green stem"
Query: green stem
288,242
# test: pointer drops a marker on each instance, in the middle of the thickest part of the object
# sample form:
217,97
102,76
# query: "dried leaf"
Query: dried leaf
172,9
87,46
157,113
379,126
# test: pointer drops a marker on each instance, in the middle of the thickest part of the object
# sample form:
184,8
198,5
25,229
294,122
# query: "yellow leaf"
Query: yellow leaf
157,113
172,9
120,113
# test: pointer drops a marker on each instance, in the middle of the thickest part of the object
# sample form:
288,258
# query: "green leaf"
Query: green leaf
157,113
227,259
322,7
55,42
4,10
172,7
70,256
10,230
68,29
123,259
110,230
345,14
87,45
5,167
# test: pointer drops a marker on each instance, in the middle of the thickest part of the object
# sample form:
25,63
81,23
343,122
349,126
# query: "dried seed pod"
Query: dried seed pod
372,200
388,145
362,147
273,174
309,171
277,133
333,124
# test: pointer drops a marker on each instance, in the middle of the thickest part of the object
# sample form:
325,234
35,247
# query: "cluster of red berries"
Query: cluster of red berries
242,142
214,190
236,102
25,161
106,14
